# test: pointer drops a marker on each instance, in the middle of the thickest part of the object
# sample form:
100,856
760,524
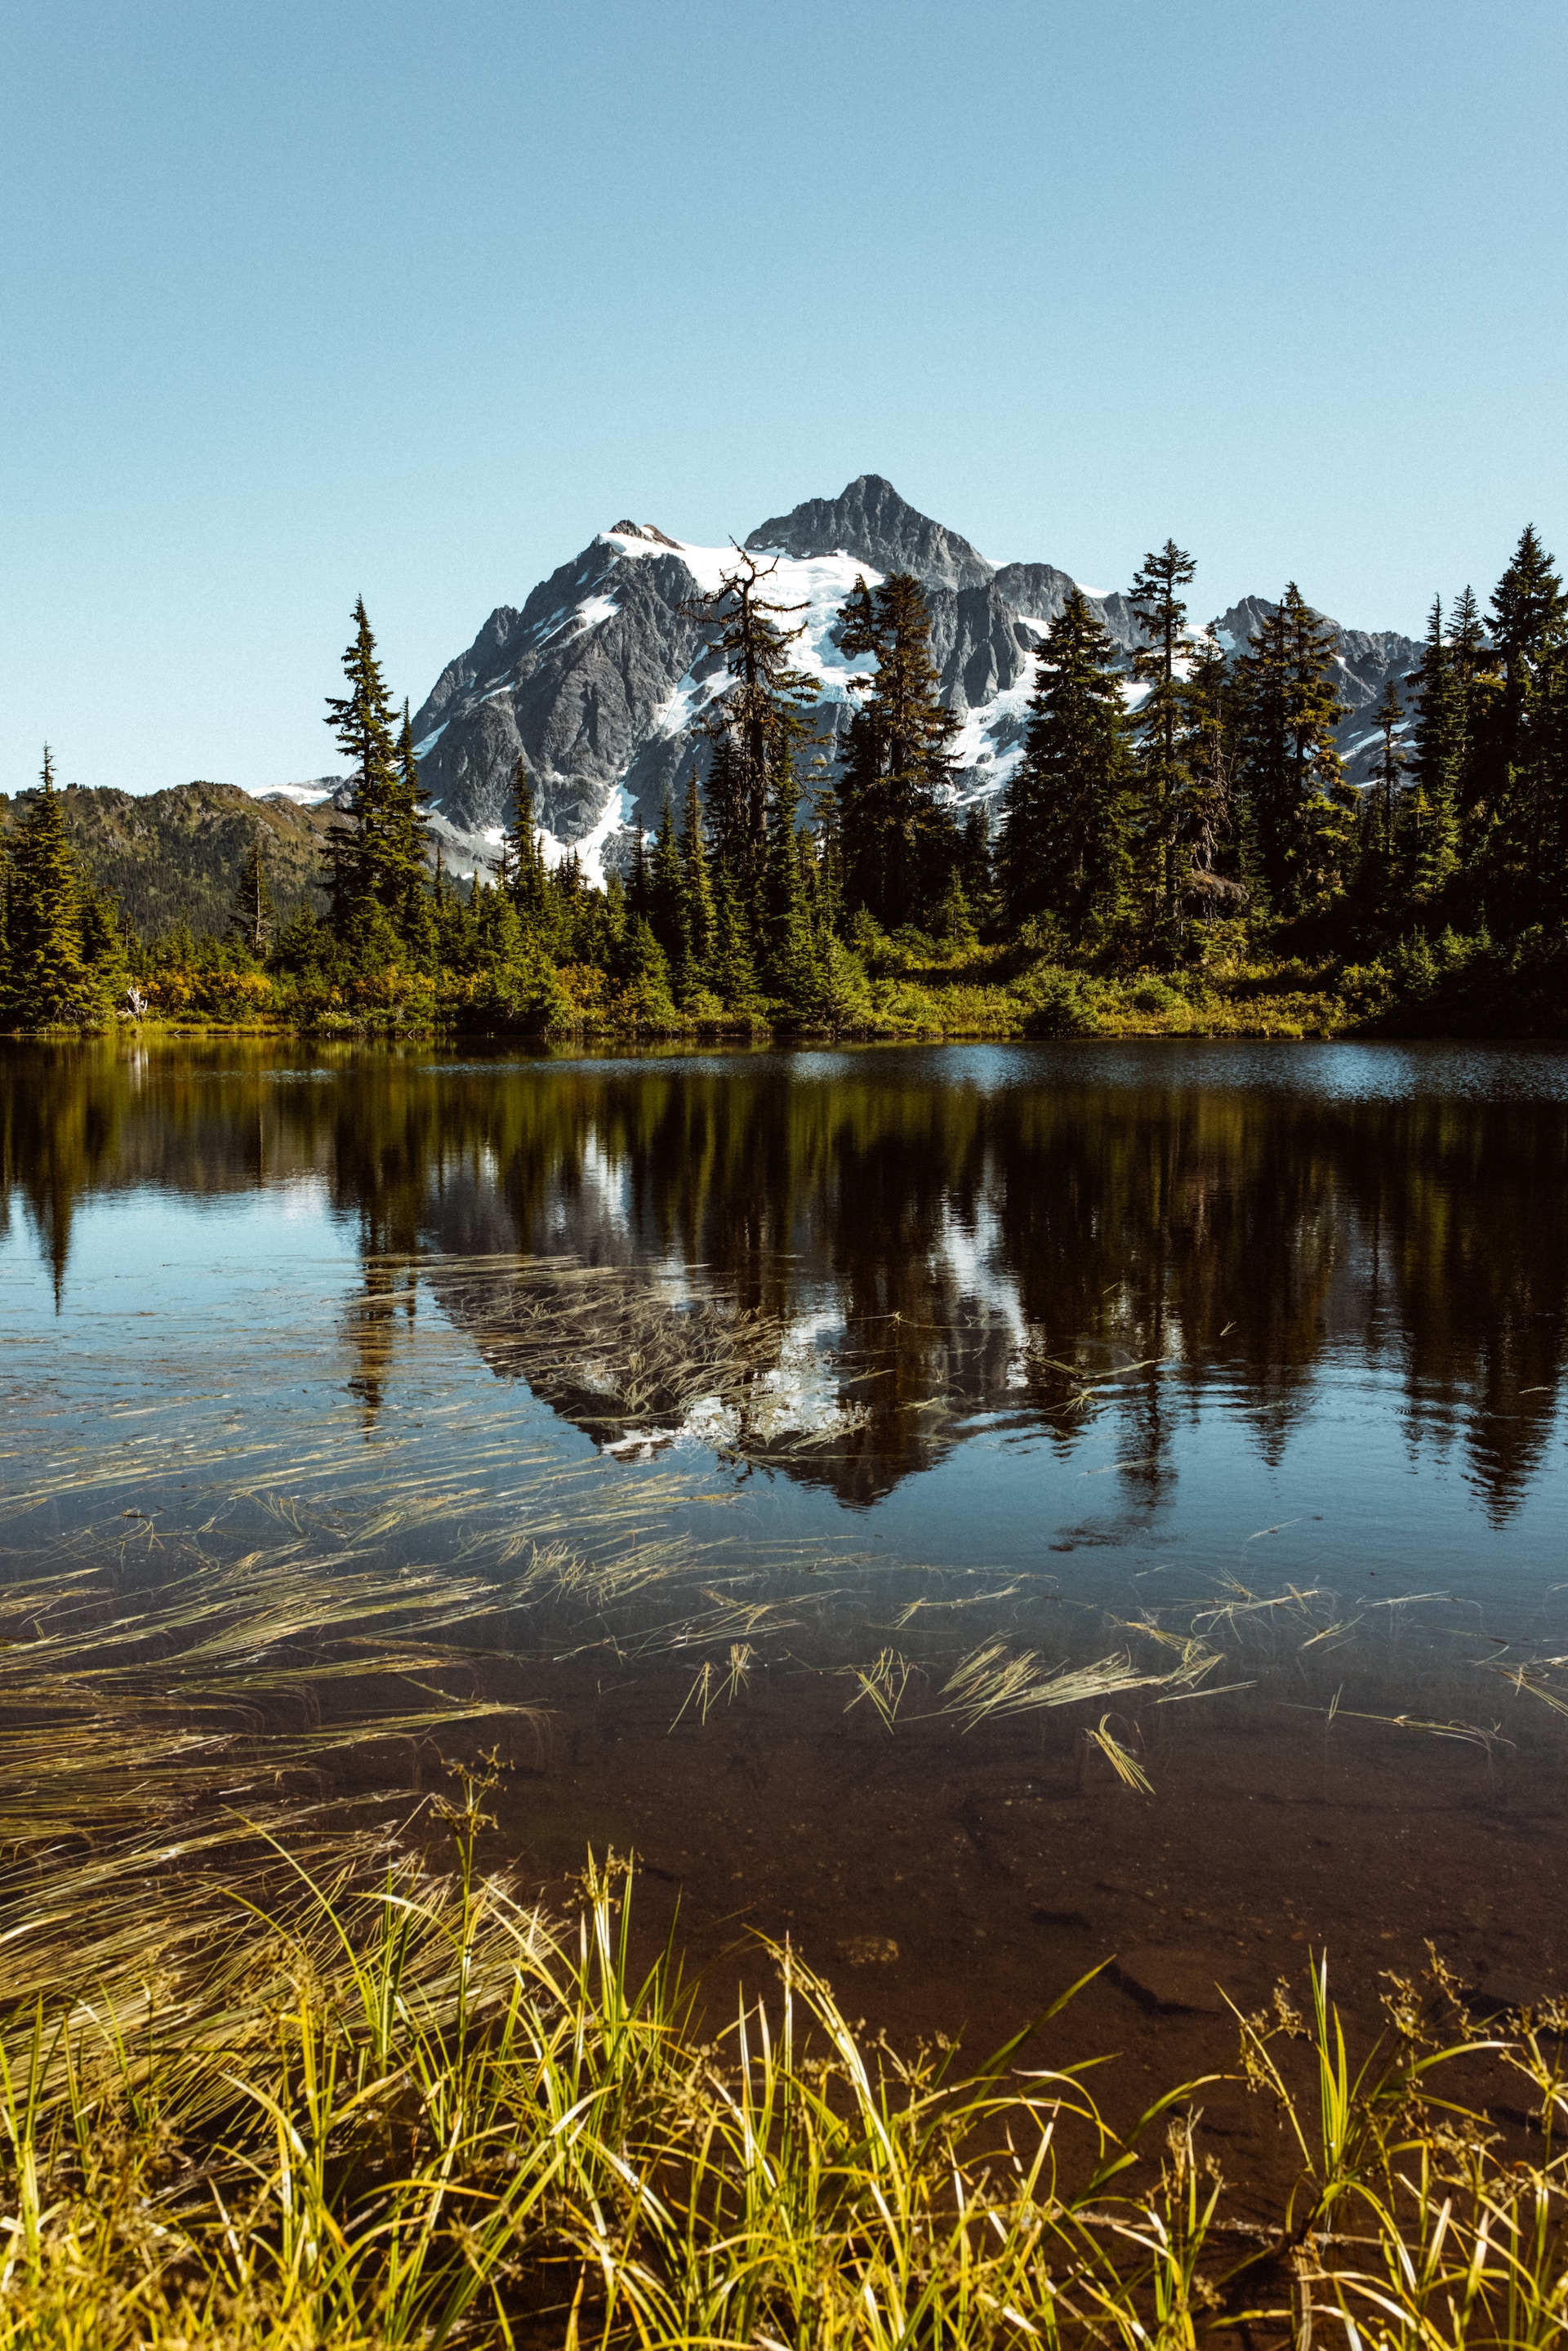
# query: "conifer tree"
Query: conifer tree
664,890
607,940
571,921
379,863
646,978
762,718
525,874
1428,839
829,847
406,885
1478,685
733,969
1382,815
639,886
49,980
251,914
729,808
104,941
1301,810
1530,617
898,833
788,947
973,868
696,905
1163,727
1064,829
1218,854
1524,784
361,720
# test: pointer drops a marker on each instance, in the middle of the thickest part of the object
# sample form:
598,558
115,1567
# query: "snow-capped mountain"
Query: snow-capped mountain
601,678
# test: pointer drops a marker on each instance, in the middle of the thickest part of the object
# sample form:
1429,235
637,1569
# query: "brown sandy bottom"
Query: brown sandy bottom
955,1885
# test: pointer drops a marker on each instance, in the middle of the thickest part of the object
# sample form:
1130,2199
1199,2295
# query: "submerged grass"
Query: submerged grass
269,2075
414,2110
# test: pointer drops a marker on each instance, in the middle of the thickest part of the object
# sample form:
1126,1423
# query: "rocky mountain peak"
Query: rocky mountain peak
603,682
643,530
870,522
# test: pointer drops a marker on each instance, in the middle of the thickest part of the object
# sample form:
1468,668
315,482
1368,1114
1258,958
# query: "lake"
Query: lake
974,1511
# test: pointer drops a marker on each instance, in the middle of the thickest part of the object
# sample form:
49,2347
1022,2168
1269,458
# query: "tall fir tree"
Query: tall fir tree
734,966
1525,786
665,880
1162,728
525,874
377,861
408,849
693,966
729,808
973,869
50,979
1063,848
1302,809
1529,619
1379,867
1478,685
1429,835
789,959
1218,853
571,919
639,882
251,911
899,836
762,718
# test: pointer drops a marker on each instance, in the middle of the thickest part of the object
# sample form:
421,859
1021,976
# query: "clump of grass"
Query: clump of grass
992,1680
161,1735
418,2112
883,1685
1102,1741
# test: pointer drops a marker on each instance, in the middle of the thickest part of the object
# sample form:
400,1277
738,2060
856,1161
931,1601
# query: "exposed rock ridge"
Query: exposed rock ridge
600,680
870,521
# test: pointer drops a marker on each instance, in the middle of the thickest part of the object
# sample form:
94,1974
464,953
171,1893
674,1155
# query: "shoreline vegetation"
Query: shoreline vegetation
290,2055
415,2109
1178,851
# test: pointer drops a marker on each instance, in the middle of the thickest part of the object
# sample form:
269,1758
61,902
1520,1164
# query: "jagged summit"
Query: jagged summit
870,522
642,530
602,679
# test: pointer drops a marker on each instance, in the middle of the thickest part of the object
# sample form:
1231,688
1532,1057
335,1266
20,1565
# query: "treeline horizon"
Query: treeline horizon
1199,836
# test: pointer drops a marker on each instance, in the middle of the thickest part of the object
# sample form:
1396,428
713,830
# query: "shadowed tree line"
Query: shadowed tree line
970,1249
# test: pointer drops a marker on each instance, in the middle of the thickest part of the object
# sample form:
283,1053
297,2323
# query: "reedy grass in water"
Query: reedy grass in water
416,2111
262,2091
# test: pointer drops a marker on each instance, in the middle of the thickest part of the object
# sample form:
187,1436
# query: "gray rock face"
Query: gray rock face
600,680
576,682
870,521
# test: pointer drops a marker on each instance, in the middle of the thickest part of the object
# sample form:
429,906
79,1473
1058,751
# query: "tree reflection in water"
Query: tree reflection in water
871,1252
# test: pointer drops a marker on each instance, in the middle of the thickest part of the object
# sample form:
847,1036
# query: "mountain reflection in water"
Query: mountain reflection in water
842,1263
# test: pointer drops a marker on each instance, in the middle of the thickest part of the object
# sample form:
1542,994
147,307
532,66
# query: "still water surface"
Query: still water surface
1100,1344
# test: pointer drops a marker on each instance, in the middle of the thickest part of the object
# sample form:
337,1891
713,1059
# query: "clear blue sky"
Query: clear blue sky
305,300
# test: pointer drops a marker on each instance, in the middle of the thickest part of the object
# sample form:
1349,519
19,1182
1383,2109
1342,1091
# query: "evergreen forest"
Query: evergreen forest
1178,848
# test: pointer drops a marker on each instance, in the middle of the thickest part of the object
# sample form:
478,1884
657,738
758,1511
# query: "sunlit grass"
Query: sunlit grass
412,2109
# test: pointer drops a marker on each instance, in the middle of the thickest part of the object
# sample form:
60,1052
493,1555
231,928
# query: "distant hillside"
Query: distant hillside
175,856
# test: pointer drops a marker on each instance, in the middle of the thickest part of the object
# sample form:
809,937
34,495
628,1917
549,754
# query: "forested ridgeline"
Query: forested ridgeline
1177,846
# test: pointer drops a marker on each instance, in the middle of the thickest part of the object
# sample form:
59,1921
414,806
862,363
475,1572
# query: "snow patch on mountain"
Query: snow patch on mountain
614,817
604,681
310,795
